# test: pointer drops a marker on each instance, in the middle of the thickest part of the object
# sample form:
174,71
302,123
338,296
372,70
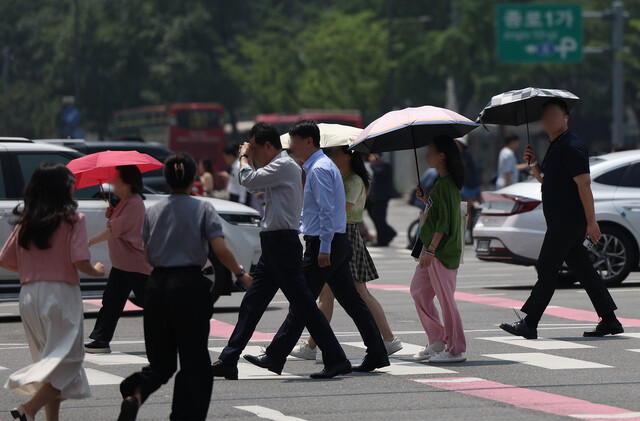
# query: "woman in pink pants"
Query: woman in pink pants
440,257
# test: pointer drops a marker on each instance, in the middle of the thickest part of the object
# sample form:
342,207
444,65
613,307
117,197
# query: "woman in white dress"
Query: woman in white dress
47,248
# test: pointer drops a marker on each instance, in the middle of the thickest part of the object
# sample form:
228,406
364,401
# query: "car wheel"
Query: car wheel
613,256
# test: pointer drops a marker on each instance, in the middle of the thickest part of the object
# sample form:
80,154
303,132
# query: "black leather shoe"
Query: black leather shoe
228,372
520,328
371,363
264,361
604,328
335,370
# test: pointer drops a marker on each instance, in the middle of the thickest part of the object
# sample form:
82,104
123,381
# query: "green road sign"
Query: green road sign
534,33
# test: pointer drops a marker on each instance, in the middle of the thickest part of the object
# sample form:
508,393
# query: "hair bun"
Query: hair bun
179,169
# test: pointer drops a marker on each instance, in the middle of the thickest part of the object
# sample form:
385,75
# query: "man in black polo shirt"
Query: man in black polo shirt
569,211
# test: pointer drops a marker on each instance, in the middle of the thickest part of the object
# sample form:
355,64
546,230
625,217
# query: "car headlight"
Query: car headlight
241,219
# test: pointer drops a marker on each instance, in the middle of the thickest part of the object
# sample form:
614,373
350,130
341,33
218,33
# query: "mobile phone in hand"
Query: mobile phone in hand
588,244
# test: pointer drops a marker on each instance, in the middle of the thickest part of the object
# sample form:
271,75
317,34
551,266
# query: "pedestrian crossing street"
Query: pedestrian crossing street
536,353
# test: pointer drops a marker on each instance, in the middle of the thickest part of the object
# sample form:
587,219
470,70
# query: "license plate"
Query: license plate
483,246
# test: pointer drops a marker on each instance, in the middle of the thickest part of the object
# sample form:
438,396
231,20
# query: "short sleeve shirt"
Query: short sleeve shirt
443,215
566,158
355,193
507,164
69,244
177,231
126,249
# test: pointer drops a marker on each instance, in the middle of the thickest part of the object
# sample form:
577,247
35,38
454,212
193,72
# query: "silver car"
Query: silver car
511,227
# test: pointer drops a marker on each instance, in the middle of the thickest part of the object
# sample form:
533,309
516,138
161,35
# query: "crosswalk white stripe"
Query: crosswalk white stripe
3,368
409,368
540,343
548,361
114,358
100,378
268,413
634,350
630,335
407,349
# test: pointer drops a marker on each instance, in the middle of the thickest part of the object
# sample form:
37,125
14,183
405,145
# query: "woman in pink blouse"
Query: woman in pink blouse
130,269
47,248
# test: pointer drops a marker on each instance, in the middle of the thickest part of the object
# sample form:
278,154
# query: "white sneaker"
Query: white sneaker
304,351
393,346
445,357
429,351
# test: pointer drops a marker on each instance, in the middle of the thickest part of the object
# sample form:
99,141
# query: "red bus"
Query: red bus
283,122
197,128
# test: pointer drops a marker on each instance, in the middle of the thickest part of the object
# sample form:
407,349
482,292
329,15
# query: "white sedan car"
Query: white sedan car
19,158
511,227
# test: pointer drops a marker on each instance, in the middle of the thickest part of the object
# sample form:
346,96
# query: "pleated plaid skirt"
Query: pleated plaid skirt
362,266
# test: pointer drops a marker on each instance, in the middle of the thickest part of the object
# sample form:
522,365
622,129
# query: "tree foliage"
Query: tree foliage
280,55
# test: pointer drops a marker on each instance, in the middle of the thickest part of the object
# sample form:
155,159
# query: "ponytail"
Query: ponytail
357,166
179,170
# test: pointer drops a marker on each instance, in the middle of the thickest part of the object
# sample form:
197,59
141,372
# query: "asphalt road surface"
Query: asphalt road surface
557,376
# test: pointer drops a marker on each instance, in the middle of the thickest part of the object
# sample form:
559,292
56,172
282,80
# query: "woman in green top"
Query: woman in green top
437,270
356,185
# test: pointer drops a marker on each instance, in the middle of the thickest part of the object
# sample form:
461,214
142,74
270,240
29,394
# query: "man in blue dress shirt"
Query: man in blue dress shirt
326,257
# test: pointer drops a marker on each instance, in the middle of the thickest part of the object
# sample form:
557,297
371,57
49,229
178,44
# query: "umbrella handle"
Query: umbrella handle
526,117
104,196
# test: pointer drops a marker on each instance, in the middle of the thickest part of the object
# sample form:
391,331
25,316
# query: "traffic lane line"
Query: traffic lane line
534,400
557,311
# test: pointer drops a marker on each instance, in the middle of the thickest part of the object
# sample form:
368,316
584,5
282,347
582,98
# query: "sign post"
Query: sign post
536,33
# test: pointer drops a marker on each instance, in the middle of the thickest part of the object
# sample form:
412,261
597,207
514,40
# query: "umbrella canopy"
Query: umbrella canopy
521,106
331,135
98,168
411,128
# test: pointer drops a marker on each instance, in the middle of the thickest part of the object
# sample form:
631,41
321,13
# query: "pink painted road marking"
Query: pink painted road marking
530,398
224,330
562,312
129,306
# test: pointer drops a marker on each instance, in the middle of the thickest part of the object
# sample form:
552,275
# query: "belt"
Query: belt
277,233
309,238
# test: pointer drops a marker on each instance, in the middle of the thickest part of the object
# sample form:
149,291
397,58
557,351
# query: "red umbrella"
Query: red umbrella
98,168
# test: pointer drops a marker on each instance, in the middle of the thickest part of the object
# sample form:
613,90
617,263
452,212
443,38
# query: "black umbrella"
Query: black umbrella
522,106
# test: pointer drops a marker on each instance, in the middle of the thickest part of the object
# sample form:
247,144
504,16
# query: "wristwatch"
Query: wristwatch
533,164
241,274
244,155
